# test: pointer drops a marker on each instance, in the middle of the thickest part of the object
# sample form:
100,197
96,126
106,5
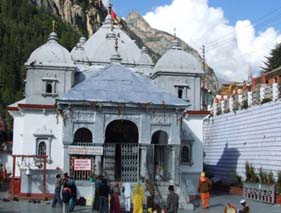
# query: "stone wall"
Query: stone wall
232,139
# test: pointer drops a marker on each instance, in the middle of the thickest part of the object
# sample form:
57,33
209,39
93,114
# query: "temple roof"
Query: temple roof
50,54
100,46
178,60
118,84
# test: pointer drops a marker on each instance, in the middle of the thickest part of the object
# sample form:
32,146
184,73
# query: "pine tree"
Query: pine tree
274,60
23,28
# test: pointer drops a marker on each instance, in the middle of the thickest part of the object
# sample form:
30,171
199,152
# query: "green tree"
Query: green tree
273,60
23,28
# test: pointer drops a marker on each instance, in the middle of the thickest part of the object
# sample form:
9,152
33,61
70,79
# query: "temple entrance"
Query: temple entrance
121,152
161,155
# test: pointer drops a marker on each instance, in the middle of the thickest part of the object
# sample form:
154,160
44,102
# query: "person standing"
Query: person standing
150,194
204,187
57,198
172,200
96,203
245,207
3,173
114,201
104,193
138,198
127,196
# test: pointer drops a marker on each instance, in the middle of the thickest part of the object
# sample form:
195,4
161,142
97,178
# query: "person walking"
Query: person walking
138,198
172,200
104,193
204,187
57,198
127,196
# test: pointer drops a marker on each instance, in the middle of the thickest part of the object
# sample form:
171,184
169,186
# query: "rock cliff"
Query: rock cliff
88,15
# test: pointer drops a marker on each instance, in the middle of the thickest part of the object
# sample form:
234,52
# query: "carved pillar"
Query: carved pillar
173,164
143,164
98,164
250,99
275,92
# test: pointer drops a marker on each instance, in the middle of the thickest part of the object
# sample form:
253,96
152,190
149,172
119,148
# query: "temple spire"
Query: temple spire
53,26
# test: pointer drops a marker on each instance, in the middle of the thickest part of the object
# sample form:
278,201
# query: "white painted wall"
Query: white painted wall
26,124
252,135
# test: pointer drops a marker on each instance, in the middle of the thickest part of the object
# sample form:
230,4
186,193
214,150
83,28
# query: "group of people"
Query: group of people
133,199
65,192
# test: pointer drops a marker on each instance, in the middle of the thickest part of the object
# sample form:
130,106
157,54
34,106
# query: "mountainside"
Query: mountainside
26,24
88,16
159,41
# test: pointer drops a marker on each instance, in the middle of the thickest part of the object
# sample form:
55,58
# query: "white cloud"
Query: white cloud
230,50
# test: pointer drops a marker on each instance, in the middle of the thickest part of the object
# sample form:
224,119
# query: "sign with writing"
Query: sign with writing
85,150
82,165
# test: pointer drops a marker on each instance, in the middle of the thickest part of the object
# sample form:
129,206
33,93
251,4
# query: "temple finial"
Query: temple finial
53,26
175,34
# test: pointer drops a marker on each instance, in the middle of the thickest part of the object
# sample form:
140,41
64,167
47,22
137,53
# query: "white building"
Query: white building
105,108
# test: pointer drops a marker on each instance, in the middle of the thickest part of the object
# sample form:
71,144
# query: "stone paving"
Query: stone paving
216,205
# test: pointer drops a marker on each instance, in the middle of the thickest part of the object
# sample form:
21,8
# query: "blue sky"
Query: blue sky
237,34
263,13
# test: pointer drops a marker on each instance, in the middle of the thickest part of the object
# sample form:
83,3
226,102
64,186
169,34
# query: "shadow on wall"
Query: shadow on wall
225,169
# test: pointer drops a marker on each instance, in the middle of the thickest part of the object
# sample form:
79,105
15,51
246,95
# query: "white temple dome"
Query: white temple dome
100,46
178,60
78,53
50,53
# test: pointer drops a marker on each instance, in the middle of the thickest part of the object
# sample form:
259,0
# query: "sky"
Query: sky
237,34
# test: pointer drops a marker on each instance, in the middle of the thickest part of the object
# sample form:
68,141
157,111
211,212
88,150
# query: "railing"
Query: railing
245,99
259,192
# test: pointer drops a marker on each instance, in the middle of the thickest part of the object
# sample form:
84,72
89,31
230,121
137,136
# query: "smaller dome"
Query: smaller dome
144,58
78,53
178,60
51,53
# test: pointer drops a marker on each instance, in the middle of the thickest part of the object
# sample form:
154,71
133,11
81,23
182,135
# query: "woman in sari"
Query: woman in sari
138,198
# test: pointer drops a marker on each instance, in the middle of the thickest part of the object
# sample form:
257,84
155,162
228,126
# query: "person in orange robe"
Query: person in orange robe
204,187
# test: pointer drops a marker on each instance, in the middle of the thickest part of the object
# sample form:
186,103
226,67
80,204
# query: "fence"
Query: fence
244,99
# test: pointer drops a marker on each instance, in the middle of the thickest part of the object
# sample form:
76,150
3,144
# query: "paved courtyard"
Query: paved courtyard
217,205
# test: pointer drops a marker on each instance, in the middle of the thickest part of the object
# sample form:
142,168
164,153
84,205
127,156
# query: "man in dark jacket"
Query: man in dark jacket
172,201
104,193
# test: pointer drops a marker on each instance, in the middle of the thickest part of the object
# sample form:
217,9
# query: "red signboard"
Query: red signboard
82,164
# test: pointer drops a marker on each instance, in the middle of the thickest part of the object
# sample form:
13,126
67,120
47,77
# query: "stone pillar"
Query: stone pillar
240,100
143,165
262,93
230,102
173,164
98,164
250,99
222,105
275,92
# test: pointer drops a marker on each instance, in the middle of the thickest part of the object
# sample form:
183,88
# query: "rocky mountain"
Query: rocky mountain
88,15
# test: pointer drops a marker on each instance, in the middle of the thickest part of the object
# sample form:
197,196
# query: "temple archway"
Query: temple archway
121,151
161,155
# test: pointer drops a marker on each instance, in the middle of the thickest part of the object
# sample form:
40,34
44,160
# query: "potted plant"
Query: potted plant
258,184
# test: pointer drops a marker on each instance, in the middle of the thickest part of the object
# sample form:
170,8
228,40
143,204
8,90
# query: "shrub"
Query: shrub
278,183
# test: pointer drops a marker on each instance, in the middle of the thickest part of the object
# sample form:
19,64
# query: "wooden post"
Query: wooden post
13,179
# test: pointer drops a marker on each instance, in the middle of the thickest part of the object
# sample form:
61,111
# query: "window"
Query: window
186,154
41,148
83,135
180,90
49,86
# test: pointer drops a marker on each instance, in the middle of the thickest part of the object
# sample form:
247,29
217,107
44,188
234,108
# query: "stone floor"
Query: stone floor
216,205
